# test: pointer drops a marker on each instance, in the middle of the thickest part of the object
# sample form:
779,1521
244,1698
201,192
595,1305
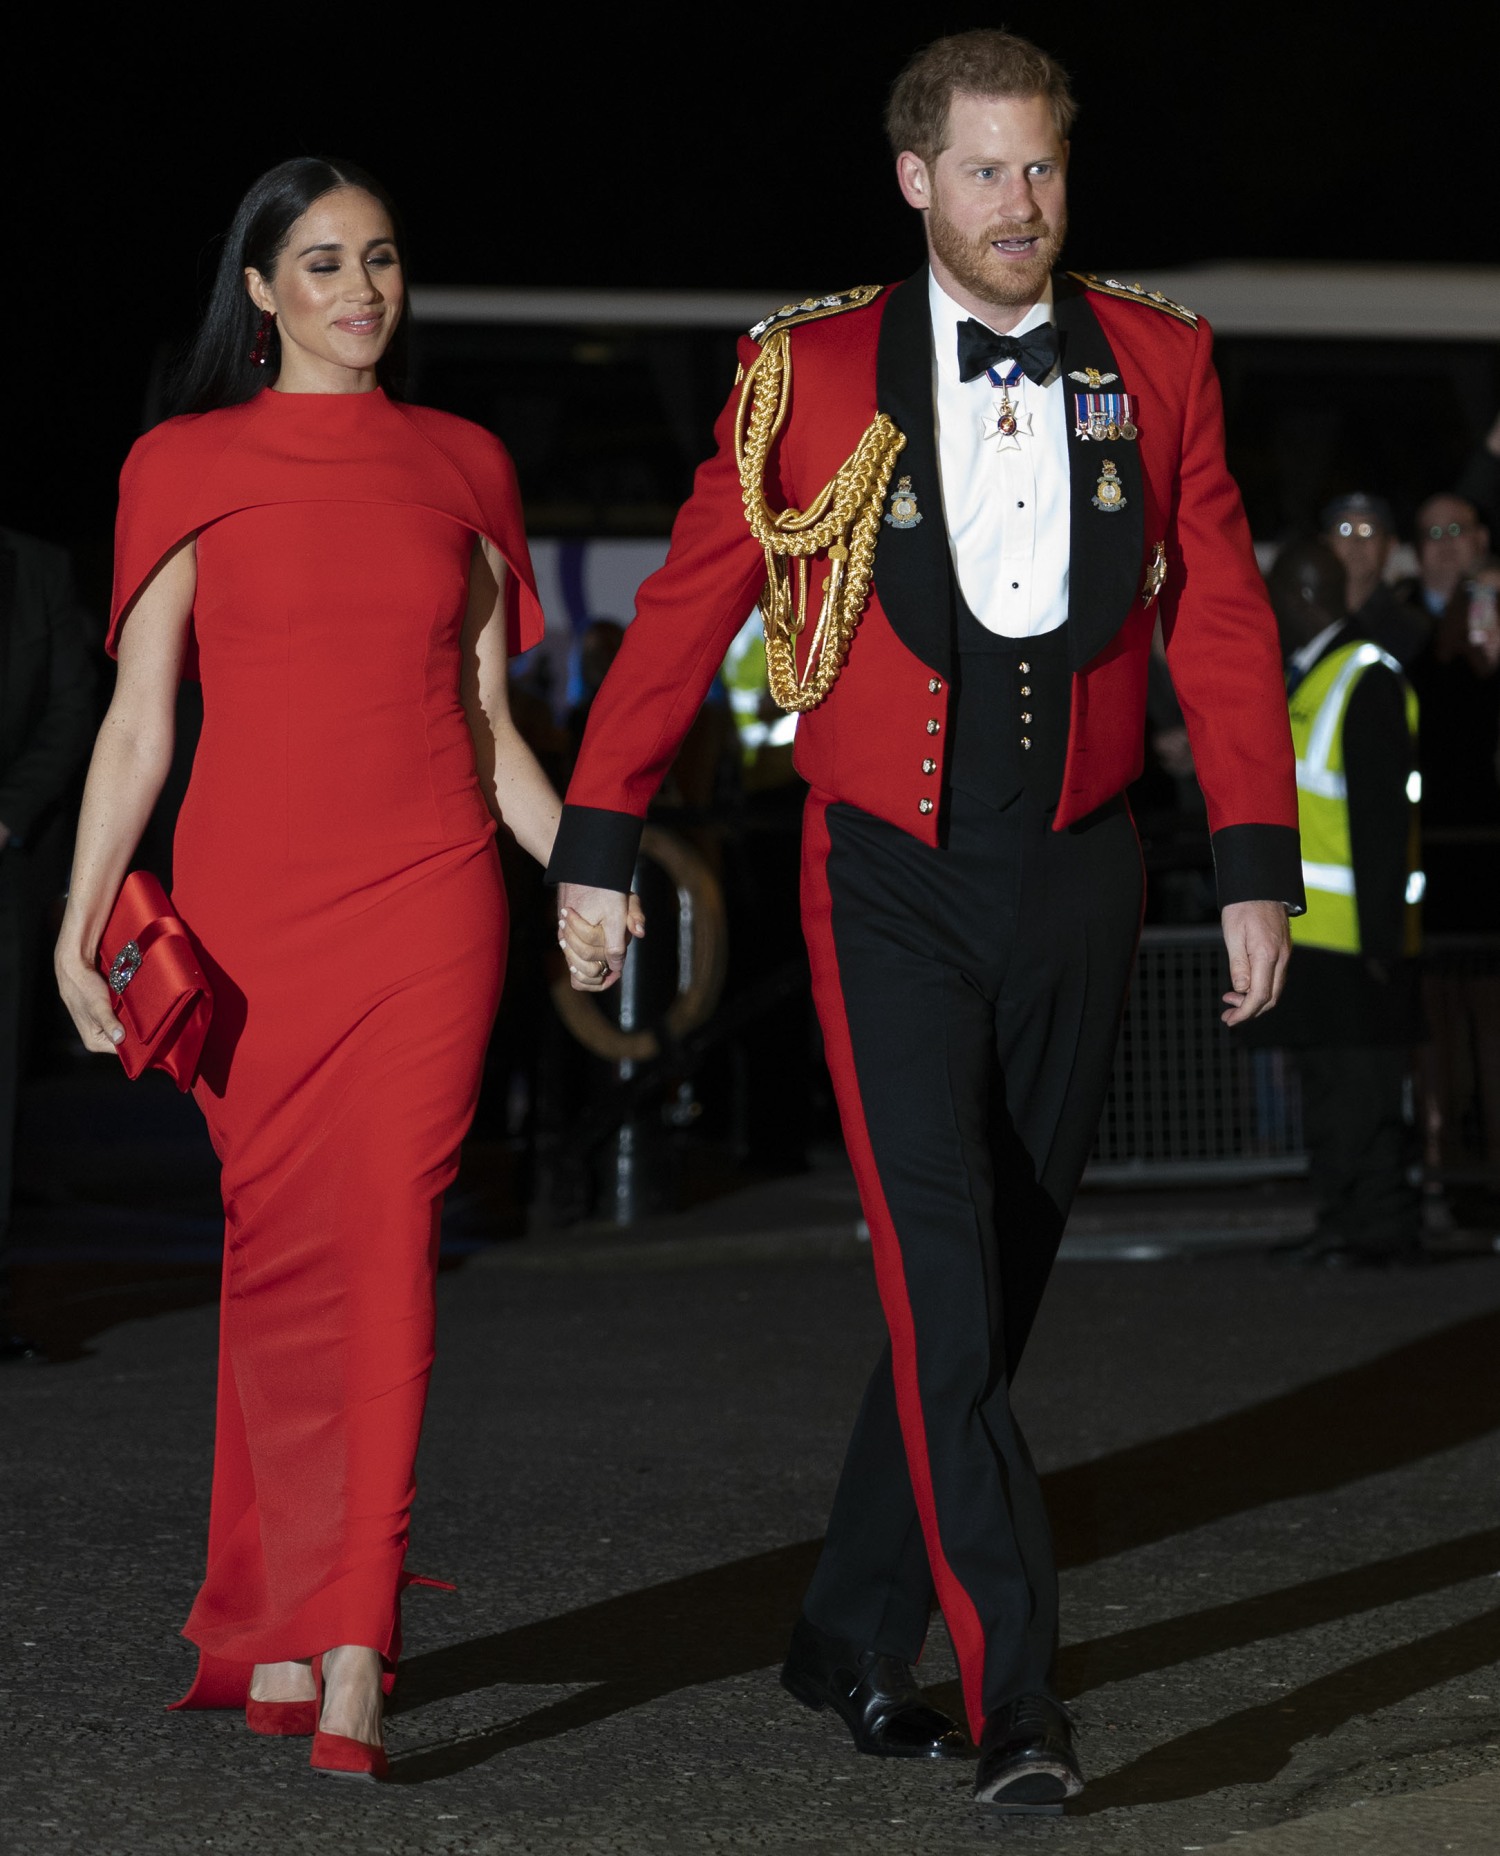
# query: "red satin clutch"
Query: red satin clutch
161,996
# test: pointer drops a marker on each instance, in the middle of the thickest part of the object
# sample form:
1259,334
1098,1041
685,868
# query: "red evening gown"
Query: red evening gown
335,862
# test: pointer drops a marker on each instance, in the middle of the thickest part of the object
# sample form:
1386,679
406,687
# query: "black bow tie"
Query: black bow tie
980,348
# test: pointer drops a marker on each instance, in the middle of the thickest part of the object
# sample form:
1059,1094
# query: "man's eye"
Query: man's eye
984,173
1043,168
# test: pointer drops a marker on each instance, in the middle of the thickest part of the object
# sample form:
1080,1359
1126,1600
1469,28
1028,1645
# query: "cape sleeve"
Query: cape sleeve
156,512
489,476
499,497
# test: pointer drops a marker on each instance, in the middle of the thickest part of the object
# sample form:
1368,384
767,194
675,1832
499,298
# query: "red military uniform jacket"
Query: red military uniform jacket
878,741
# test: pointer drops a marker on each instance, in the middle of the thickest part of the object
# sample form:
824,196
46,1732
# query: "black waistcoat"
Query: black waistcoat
1009,716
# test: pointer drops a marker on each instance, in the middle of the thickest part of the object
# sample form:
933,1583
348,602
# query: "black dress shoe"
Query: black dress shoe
874,1695
1026,1760
16,1349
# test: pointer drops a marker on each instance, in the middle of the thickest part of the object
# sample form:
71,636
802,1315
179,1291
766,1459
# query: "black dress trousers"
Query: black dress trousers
970,997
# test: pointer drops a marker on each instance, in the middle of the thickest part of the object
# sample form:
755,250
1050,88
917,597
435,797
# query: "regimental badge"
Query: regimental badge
903,512
1091,377
1109,492
1105,417
1156,574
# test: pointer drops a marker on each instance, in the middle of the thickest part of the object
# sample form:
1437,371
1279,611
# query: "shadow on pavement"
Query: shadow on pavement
1252,1746
633,1649
734,1619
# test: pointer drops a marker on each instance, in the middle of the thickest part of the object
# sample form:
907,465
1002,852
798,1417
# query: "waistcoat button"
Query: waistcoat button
934,684
933,725
929,766
924,806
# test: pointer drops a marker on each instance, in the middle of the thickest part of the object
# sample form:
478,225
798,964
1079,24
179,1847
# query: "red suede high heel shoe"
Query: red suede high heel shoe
292,1718
338,1755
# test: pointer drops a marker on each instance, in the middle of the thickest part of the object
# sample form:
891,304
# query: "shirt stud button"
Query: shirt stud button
934,684
1015,586
924,806
929,765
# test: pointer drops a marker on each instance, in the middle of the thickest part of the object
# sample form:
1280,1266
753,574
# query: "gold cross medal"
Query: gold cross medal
903,512
1109,493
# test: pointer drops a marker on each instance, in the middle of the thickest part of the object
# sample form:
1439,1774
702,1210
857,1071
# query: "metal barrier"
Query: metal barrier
1187,1101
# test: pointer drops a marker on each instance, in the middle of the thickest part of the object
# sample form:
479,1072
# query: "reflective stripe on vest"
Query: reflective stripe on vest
1318,707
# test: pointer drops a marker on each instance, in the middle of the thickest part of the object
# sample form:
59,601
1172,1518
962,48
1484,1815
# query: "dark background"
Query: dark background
665,148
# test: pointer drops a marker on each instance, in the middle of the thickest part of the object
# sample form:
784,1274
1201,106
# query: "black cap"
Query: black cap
1354,507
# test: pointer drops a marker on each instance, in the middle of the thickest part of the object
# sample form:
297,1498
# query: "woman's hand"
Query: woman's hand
583,942
89,1003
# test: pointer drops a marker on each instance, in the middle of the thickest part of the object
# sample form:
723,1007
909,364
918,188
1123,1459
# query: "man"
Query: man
961,501
1453,543
46,725
1456,681
1350,1007
1361,531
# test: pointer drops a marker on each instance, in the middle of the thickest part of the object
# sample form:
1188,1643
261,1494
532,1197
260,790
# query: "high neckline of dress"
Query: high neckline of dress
273,395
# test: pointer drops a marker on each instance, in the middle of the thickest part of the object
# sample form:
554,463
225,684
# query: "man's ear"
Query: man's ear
913,180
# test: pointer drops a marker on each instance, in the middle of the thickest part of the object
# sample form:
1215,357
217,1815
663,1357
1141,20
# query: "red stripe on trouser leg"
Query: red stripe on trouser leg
959,1609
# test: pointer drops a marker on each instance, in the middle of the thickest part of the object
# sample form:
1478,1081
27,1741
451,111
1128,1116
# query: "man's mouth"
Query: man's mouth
1016,247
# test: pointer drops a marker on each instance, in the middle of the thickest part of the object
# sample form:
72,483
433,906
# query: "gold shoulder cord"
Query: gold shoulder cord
843,519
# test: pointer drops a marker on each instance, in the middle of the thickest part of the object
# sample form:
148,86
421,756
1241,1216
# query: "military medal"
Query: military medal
1091,377
1109,492
903,512
1005,419
1104,417
1009,423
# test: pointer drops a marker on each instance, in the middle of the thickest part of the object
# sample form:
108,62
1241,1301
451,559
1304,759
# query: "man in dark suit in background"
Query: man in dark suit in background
46,724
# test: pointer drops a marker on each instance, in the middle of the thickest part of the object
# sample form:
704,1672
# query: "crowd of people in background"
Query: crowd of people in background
1399,1050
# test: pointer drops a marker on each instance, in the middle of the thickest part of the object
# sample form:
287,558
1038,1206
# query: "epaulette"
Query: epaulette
816,306
1136,293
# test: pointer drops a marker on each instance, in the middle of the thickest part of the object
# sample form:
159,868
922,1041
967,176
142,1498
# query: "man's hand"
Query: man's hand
1259,946
593,926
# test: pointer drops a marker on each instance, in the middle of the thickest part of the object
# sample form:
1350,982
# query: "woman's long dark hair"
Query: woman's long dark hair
217,369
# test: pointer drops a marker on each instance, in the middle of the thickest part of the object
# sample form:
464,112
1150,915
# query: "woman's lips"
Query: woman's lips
359,325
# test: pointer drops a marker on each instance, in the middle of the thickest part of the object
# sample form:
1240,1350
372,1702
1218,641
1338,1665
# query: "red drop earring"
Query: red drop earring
260,354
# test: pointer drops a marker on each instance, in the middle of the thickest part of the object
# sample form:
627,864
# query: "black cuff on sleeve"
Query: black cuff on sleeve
1259,863
595,847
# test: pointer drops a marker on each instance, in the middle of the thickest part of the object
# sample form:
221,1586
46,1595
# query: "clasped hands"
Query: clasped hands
594,927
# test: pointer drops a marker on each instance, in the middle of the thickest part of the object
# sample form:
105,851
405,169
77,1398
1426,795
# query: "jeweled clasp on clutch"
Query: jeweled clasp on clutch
126,964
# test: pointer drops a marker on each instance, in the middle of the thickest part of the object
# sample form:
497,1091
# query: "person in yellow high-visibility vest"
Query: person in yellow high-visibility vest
1350,1009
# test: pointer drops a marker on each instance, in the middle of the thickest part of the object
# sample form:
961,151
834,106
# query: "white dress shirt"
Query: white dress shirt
1007,501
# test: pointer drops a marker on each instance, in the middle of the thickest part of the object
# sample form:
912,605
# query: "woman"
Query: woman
345,573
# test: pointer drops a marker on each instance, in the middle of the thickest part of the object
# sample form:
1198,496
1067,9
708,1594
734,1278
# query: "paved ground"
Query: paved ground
1273,1496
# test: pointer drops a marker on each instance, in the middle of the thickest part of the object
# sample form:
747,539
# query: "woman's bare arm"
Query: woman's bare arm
515,789
129,766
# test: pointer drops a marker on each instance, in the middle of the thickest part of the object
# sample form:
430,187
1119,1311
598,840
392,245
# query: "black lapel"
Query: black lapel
1106,545
913,567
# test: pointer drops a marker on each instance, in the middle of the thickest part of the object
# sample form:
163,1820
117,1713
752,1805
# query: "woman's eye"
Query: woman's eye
322,270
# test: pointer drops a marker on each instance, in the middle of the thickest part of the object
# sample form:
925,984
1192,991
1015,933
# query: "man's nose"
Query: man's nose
1018,200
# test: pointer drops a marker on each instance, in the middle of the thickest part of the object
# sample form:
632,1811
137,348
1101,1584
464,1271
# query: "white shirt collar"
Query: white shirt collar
1308,654
947,315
